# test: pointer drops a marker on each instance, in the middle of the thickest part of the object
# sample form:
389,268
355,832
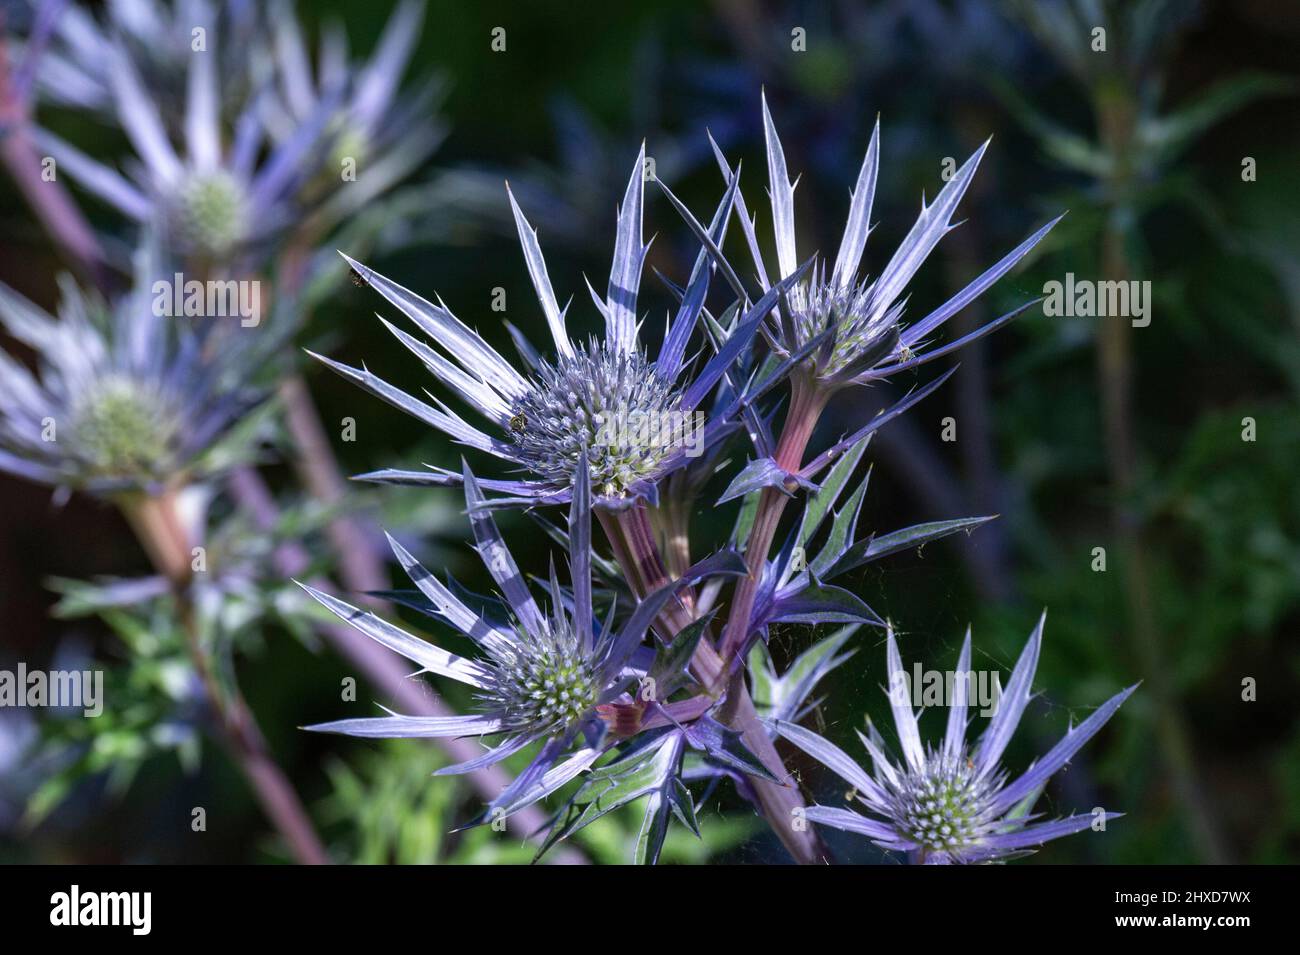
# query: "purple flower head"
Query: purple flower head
863,316
206,184
378,126
954,802
538,677
123,398
633,420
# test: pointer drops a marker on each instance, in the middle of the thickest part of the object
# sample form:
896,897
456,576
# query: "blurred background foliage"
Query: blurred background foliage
1144,145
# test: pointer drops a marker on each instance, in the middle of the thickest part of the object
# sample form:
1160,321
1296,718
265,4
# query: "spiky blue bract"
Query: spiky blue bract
538,677
590,397
867,339
952,803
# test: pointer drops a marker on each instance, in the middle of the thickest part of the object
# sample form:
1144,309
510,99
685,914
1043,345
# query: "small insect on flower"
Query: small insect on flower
952,803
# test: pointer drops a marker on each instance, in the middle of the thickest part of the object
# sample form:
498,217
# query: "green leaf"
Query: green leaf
820,503
745,521
726,747
1168,135
837,541
917,535
647,769
669,668
764,684
654,827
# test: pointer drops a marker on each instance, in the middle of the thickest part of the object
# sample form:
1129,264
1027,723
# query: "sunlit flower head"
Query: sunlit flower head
953,802
538,676
859,319
634,418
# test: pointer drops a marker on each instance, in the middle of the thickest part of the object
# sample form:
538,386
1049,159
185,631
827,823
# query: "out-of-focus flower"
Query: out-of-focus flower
953,803
123,398
76,69
631,419
539,677
868,340
376,137
215,196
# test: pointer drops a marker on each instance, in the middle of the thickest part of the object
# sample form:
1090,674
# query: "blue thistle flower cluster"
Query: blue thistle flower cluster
627,714
639,673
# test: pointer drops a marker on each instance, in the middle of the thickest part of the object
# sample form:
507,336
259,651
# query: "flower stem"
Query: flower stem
157,524
359,564
633,543
807,401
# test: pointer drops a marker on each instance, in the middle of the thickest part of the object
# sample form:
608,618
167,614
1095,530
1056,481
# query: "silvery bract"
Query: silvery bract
589,398
867,339
954,802
539,677
122,398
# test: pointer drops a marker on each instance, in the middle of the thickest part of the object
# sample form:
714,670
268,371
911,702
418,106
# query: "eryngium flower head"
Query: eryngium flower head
122,398
576,407
543,681
379,132
207,214
206,185
584,398
953,803
537,677
867,339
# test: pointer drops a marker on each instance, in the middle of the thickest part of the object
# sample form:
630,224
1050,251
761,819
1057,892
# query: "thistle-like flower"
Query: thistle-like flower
123,399
539,677
216,196
632,419
953,803
372,129
867,339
